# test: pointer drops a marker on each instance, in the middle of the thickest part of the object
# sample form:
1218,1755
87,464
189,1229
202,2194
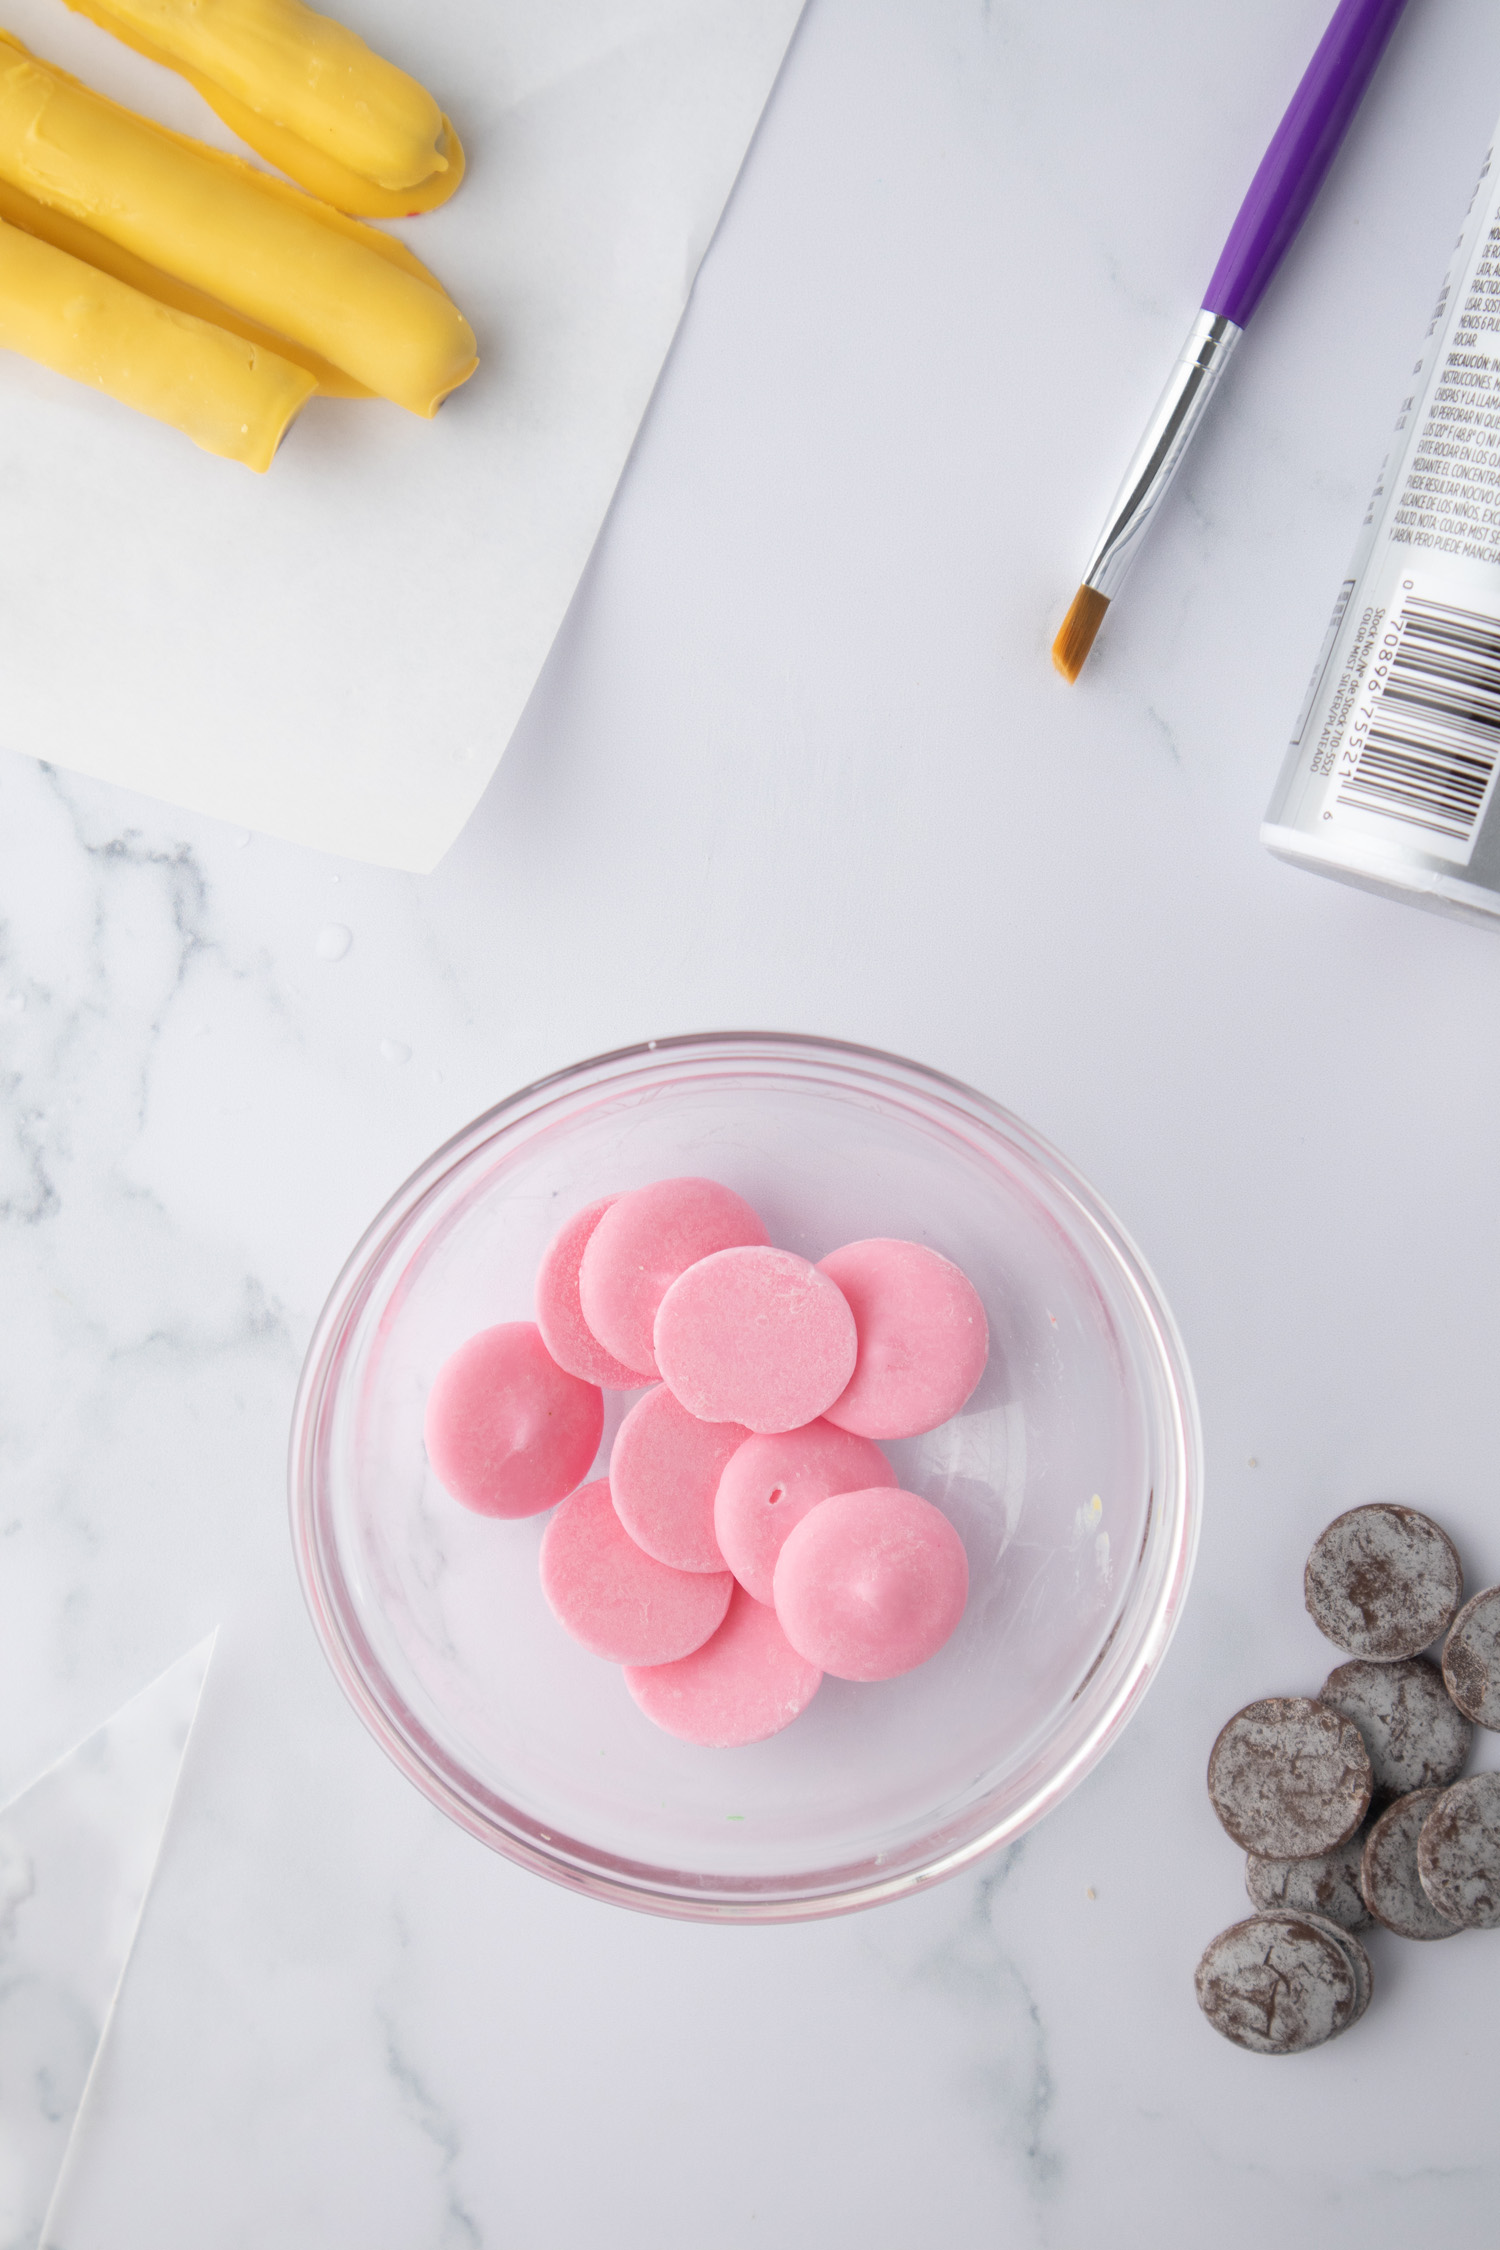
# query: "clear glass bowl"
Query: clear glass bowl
1073,1476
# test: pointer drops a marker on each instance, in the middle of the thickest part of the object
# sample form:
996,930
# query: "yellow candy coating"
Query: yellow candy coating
289,263
64,233
306,93
230,397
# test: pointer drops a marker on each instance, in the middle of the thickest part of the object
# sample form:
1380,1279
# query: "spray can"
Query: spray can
1390,780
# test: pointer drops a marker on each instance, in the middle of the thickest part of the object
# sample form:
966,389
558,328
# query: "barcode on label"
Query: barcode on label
1430,751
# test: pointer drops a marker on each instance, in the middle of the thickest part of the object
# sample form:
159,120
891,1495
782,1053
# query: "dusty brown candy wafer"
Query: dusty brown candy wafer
1353,1952
1382,1582
1358,1959
1471,1658
1327,1885
1416,1735
1277,1984
1290,1778
1458,1853
1388,1871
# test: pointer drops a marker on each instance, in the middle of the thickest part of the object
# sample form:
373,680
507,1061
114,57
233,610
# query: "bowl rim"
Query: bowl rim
640,1885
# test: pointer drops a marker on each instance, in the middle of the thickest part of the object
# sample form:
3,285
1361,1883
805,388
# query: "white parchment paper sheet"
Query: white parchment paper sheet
338,652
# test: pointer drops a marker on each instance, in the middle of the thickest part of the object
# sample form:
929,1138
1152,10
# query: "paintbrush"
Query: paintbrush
1281,195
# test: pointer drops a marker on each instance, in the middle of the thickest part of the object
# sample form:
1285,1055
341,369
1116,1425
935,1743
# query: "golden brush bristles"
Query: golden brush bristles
1070,649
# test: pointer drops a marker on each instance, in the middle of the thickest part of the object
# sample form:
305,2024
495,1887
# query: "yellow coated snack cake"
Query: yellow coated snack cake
65,233
306,93
230,397
290,264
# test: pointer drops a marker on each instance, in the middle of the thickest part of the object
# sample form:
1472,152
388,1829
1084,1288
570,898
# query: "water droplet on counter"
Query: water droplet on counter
394,1051
334,942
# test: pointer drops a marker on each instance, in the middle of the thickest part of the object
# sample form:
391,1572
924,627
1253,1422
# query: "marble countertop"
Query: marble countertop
799,760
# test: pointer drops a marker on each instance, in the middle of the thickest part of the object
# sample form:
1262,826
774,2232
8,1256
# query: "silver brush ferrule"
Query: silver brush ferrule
1200,363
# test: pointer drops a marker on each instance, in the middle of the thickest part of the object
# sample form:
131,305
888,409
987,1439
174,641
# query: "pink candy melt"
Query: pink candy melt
640,1246
664,1471
744,1684
871,1584
757,1336
559,1314
771,1483
923,1338
753,1454
619,1602
508,1431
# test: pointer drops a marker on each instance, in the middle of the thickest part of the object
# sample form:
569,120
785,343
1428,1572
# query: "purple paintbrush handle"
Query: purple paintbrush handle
1296,163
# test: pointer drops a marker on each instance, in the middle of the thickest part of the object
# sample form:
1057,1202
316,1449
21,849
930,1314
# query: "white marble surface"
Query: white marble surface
798,759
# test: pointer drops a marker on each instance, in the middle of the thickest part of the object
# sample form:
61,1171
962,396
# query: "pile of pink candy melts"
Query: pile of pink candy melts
750,1535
